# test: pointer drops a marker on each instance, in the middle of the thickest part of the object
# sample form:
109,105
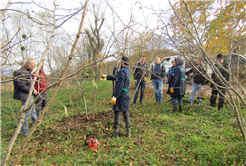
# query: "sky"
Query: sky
123,9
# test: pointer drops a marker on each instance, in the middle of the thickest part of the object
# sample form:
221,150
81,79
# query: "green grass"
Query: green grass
198,136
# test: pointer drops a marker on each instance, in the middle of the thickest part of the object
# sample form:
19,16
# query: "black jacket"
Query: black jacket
141,70
22,85
197,77
223,72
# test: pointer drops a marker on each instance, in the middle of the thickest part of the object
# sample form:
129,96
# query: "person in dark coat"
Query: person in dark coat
157,76
140,76
198,80
121,98
22,86
217,81
177,85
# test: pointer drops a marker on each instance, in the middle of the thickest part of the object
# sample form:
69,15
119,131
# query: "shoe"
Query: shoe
180,107
141,103
134,104
116,132
128,132
175,105
24,134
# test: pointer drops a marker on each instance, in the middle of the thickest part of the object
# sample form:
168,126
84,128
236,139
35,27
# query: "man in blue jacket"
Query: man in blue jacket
177,85
22,86
121,98
157,77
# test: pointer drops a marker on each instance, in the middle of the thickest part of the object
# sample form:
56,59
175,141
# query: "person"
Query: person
22,86
22,63
140,76
221,66
40,85
121,98
170,71
158,73
198,80
177,85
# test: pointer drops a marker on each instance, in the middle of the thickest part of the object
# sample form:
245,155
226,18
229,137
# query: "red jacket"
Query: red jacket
41,83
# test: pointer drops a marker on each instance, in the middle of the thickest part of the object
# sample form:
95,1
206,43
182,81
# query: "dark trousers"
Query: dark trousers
137,87
40,103
213,97
117,118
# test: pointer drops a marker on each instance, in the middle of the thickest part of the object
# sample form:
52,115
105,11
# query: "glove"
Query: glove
103,76
113,100
171,90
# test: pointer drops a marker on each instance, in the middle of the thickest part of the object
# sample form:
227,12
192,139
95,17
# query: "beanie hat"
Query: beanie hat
219,56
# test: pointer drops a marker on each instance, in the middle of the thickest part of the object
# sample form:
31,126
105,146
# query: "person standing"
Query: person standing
198,80
157,76
22,86
177,85
40,85
140,75
121,98
222,67
22,63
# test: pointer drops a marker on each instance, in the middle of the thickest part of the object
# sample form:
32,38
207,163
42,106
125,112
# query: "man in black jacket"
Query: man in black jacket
22,86
140,76
198,80
217,81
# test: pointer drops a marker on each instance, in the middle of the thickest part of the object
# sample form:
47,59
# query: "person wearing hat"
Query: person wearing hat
177,85
221,66
121,98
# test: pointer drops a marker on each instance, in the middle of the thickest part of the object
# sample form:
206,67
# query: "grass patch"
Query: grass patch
198,136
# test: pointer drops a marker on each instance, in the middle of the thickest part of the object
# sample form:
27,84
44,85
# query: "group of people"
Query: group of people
121,97
176,80
22,86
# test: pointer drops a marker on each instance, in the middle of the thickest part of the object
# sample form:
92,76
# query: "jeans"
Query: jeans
29,113
195,87
158,87
137,87
176,100
40,103
117,118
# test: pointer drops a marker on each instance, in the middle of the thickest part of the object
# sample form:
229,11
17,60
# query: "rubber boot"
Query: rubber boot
175,105
116,132
128,132
180,107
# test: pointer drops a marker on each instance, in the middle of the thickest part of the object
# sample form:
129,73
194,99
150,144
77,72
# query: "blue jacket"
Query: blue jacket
178,82
158,74
121,89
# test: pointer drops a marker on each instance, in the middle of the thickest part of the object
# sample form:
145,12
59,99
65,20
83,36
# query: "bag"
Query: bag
92,142
201,94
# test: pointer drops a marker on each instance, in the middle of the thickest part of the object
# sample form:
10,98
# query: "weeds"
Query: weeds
198,136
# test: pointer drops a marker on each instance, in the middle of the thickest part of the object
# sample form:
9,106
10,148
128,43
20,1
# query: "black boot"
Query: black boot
116,132
175,105
128,132
181,107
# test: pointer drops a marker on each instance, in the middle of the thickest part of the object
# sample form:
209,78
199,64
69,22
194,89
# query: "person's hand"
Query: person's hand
144,78
171,90
103,76
35,92
113,100
162,79
135,81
